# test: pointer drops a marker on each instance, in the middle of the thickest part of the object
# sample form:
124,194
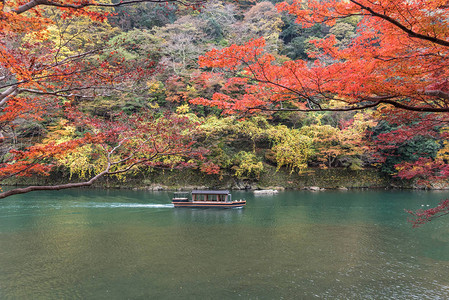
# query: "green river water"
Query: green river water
116,244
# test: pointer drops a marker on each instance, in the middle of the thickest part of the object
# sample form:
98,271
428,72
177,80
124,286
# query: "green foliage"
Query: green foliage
137,44
156,94
296,38
355,164
344,32
409,151
220,154
144,16
296,49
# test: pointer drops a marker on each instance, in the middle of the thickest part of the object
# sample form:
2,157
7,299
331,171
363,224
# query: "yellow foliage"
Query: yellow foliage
84,161
443,153
154,86
331,143
183,109
81,162
291,148
59,132
76,34
214,125
247,165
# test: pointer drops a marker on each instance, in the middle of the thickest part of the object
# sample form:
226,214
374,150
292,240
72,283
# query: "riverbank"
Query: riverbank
187,179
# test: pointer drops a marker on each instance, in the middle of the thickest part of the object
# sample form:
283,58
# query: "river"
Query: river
118,244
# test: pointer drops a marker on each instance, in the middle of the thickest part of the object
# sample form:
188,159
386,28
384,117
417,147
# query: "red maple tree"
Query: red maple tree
38,80
397,63
398,58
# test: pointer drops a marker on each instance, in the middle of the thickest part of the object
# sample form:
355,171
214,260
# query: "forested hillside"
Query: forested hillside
225,88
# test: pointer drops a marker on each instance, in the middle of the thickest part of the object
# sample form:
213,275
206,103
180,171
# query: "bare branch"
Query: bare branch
438,93
52,187
5,95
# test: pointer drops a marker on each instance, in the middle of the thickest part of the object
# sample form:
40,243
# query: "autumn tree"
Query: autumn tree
113,148
398,58
181,43
396,61
291,148
54,55
345,144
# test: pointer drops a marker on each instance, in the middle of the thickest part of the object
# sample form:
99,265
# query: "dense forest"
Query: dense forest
224,88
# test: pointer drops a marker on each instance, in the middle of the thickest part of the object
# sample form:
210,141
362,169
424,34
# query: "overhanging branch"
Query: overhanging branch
410,32
374,102
51,187
29,5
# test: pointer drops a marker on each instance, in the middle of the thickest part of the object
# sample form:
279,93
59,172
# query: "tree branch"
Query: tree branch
4,96
27,6
438,93
375,102
410,32
52,187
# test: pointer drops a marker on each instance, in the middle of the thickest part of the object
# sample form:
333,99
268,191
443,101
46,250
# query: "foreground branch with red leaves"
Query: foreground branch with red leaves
421,216
113,148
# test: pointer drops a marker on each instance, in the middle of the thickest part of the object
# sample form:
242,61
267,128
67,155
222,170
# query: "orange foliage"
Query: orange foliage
399,57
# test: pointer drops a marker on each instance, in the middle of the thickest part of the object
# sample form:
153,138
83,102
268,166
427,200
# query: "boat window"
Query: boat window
215,197
180,195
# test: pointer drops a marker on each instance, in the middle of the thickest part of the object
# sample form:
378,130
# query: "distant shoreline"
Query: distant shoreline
314,180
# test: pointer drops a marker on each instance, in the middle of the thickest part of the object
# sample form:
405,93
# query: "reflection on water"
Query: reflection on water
208,216
100,244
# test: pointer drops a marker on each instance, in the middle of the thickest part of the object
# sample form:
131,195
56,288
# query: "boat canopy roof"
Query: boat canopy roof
210,192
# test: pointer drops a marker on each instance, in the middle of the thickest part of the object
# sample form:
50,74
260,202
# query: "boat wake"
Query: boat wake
123,205
87,205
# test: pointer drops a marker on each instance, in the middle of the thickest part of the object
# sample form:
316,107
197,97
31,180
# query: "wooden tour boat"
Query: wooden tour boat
204,199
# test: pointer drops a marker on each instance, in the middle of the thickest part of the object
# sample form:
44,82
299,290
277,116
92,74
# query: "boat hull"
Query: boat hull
209,204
